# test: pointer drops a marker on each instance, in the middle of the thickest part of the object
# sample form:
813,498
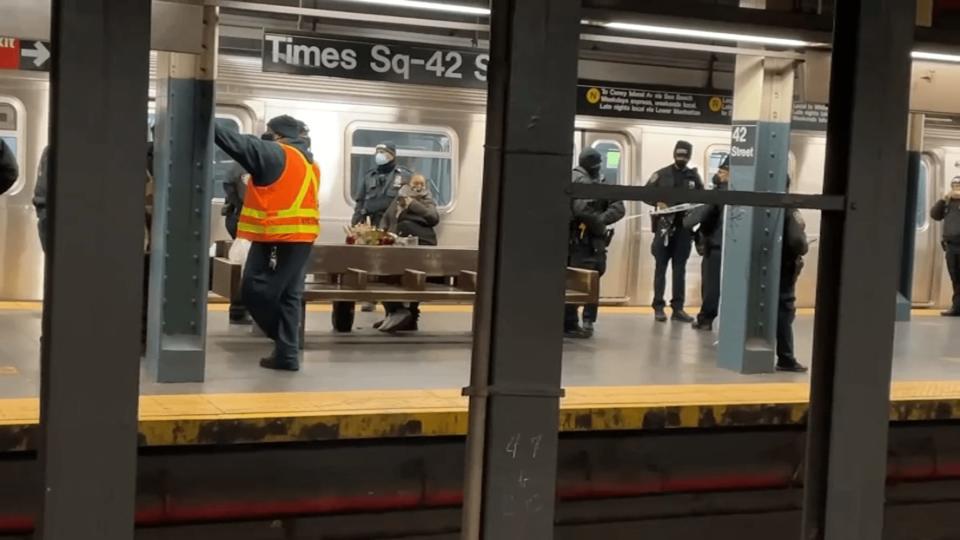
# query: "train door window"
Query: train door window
430,151
577,146
611,152
922,193
11,131
715,155
222,163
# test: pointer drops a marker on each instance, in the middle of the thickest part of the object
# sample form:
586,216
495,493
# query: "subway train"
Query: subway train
440,132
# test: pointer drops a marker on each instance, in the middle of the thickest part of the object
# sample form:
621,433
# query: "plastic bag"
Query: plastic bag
238,251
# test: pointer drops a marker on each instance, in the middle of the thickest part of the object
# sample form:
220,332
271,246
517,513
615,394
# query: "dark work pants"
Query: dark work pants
786,313
710,285
953,268
571,315
274,296
675,253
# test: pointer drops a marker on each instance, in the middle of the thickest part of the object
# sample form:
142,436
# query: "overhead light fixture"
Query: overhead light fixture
936,57
427,6
703,34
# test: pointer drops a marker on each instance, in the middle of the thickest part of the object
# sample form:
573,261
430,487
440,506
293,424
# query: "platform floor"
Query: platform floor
630,349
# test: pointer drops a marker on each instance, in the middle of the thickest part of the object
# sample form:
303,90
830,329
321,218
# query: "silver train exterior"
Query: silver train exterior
337,110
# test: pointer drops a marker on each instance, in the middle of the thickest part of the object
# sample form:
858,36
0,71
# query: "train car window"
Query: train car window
430,151
577,139
11,131
922,195
612,154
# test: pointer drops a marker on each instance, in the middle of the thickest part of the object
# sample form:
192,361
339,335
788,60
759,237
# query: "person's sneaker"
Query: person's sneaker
955,312
244,320
706,326
682,316
791,366
378,324
576,333
660,315
272,363
399,321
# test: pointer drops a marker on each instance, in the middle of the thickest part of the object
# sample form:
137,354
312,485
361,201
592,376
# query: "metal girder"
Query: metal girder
515,373
858,271
763,101
179,264
91,325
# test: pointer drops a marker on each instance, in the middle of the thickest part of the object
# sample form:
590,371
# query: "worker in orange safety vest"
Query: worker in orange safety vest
280,217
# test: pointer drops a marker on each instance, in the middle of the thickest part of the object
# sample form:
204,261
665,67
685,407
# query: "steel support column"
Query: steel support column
91,326
179,265
763,101
914,157
515,379
858,270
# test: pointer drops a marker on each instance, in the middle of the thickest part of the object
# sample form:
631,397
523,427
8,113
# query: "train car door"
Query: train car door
613,148
927,248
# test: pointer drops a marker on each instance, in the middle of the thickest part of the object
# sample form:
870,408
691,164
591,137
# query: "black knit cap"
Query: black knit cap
683,145
285,126
590,158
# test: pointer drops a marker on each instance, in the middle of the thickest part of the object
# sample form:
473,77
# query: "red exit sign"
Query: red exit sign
9,53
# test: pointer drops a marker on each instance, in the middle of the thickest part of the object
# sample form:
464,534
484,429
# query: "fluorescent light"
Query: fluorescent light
428,6
703,34
936,57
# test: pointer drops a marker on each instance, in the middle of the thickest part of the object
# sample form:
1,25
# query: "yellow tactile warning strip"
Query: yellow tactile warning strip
313,416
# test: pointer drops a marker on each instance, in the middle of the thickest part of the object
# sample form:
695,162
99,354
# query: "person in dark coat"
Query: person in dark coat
672,241
590,236
235,189
9,171
274,274
947,210
709,241
795,246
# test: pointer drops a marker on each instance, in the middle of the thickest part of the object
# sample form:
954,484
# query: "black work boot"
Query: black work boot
704,325
659,314
681,315
271,362
576,333
790,365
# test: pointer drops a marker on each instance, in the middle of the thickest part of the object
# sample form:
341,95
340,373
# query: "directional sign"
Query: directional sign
28,54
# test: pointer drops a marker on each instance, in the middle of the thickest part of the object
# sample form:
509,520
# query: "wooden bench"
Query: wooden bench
346,274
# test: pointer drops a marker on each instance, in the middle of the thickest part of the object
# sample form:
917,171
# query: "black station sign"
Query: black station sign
743,144
664,103
380,61
810,116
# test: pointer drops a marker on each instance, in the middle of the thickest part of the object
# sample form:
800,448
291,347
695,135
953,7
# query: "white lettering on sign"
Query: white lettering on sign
736,151
739,134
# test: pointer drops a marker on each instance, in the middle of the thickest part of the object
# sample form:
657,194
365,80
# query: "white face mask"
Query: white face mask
381,158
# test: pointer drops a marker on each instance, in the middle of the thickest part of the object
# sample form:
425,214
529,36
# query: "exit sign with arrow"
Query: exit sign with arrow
29,54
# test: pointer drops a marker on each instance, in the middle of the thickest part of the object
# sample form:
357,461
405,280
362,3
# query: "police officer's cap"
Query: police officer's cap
590,158
683,148
388,148
286,126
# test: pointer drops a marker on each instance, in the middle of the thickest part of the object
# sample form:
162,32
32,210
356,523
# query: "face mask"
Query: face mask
681,162
594,171
381,158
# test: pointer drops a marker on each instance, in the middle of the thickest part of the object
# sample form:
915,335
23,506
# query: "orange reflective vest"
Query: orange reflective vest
286,210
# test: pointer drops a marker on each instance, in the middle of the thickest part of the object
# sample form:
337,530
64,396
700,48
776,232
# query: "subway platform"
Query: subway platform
635,374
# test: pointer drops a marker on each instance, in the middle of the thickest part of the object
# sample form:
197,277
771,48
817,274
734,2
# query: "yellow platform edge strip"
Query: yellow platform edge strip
173,420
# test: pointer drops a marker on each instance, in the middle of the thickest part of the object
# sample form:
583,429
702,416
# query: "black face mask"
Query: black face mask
594,172
680,162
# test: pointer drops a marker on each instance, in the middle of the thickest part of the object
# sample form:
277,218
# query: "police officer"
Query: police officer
280,217
795,246
672,242
589,238
947,210
380,186
9,171
709,241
